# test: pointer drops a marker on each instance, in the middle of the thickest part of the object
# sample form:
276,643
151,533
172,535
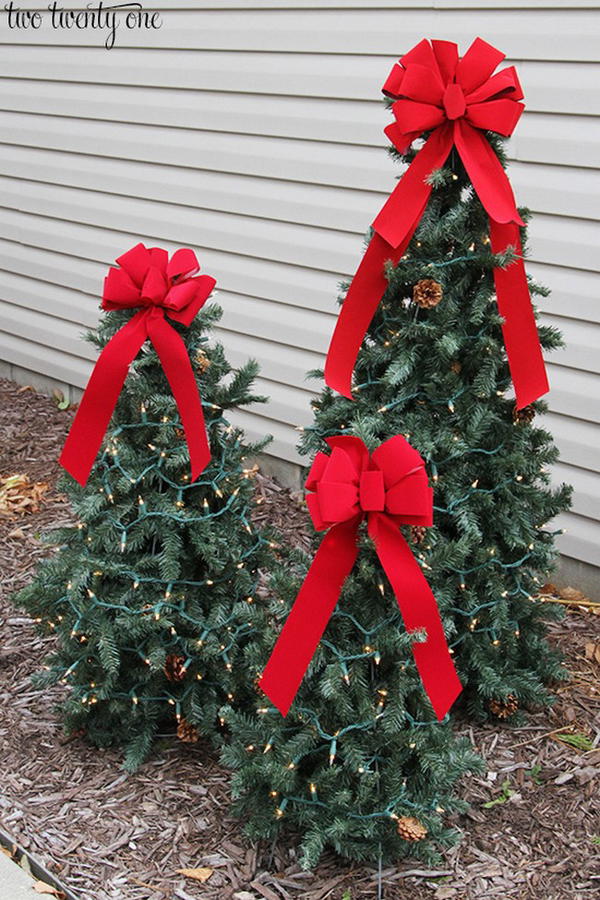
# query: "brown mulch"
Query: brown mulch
113,836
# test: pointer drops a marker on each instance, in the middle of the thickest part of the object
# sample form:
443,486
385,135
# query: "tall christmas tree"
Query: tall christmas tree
151,593
360,750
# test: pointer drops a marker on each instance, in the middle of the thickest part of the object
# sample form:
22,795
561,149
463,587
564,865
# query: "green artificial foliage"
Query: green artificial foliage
360,747
151,593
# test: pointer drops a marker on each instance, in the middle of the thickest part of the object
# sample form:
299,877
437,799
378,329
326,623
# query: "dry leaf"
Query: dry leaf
26,387
40,887
16,533
572,594
592,651
19,495
202,874
445,892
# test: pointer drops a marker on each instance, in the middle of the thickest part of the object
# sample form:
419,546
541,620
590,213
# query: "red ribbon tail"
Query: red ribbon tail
519,329
100,398
394,227
309,615
360,304
486,173
419,611
180,375
512,291
361,301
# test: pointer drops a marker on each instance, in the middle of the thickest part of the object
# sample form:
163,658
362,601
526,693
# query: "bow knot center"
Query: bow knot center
454,101
372,491
154,311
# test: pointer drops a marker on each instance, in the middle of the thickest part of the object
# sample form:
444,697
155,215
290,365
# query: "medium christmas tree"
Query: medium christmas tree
360,752
151,593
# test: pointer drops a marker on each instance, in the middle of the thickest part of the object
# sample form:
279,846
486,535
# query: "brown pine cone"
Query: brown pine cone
410,829
417,534
175,667
456,367
427,293
523,416
187,733
180,433
504,709
201,361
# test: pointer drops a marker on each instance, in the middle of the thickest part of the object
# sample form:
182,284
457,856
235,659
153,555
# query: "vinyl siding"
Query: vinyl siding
252,131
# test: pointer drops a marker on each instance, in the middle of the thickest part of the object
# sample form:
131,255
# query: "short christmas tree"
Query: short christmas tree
151,593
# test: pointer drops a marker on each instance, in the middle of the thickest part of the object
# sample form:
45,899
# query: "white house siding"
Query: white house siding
252,131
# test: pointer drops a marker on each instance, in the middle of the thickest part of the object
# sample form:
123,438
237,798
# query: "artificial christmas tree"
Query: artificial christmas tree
151,593
360,748
454,325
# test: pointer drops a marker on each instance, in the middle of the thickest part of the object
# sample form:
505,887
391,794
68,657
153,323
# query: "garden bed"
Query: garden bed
109,835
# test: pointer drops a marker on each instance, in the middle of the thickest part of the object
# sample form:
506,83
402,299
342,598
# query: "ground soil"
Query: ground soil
112,836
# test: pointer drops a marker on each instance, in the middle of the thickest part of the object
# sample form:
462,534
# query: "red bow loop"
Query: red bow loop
455,101
120,291
503,84
148,280
410,500
388,488
477,64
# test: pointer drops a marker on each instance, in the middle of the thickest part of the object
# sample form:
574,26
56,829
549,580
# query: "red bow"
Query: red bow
161,286
389,489
455,99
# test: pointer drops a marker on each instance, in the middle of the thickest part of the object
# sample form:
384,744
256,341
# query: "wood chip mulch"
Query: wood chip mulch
108,835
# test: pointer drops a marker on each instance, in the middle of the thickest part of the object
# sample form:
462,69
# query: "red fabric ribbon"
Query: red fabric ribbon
454,99
389,488
161,287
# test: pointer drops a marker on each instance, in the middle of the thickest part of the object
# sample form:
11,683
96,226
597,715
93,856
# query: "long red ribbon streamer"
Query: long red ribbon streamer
309,615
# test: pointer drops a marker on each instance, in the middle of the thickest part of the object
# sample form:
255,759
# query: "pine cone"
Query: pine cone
417,534
523,416
410,829
187,733
427,293
175,667
456,367
180,433
201,361
504,709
